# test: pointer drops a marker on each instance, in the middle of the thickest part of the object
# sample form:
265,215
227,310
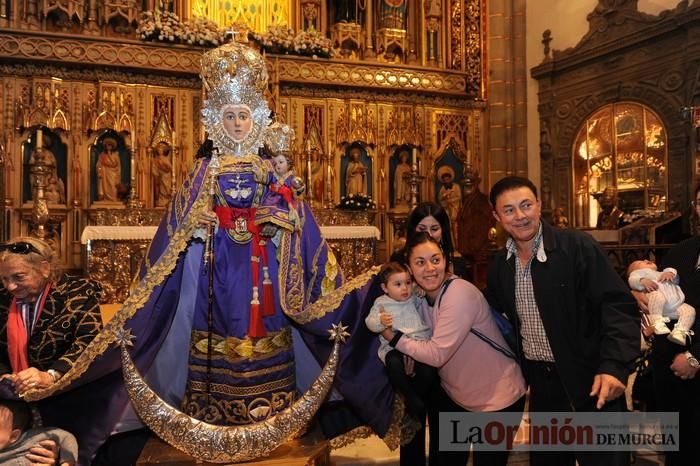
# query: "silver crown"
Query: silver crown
279,138
234,74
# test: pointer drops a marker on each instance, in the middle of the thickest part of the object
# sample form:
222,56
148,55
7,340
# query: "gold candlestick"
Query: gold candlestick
414,179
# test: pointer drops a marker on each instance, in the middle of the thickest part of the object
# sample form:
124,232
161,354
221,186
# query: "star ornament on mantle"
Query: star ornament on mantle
338,332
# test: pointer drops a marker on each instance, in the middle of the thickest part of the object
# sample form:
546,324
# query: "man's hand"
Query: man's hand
682,369
642,300
44,452
607,388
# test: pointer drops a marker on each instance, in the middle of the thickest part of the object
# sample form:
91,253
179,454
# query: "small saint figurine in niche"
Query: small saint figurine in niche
109,171
449,195
356,173
316,176
345,11
392,14
402,190
54,190
610,216
559,220
162,174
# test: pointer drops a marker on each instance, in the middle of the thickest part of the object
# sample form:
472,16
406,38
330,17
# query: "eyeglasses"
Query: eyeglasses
695,203
20,247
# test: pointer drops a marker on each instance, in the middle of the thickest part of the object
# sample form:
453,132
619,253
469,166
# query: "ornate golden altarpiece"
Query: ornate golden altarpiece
102,97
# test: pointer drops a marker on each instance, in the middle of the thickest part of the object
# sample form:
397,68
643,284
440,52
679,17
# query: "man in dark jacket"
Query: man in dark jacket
674,367
577,323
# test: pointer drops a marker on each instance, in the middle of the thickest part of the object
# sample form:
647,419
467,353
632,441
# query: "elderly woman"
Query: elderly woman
46,320
462,327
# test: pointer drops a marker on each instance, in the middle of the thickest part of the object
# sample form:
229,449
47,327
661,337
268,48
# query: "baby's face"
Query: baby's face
5,427
642,264
398,286
280,164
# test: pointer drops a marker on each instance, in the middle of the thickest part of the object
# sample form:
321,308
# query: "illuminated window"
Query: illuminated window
256,14
623,146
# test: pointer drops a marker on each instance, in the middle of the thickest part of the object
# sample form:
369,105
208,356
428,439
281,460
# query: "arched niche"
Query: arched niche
356,168
624,146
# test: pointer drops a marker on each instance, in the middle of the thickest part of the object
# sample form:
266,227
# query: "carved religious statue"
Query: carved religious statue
345,11
610,216
162,174
356,174
449,193
55,190
559,220
314,165
109,171
475,224
316,176
392,14
402,190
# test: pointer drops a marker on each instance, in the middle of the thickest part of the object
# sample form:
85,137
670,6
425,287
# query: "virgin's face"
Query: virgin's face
431,226
238,121
23,279
427,264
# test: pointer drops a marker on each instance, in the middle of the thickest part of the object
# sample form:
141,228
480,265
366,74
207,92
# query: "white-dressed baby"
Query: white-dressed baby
401,304
666,299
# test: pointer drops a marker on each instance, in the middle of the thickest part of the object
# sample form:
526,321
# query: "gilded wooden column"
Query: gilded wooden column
92,27
413,10
433,31
3,157
4,20
369,31
31,18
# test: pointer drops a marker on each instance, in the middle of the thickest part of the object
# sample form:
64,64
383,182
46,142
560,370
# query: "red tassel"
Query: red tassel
256,328
268,300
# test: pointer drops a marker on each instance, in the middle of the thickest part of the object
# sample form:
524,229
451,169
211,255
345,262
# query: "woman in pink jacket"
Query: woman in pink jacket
474,375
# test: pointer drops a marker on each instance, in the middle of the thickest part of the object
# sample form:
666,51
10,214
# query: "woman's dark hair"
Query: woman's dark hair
430,209
423,237
508,183
389,269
